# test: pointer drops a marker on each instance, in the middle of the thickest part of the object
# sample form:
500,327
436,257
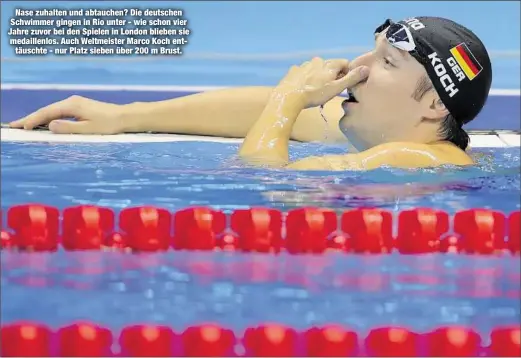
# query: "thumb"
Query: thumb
71,127
352,78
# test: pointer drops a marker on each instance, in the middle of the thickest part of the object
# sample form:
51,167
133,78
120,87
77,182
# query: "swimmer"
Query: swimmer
409,99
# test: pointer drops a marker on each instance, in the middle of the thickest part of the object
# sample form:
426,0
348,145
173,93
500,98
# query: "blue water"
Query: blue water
241,290
179,288
237,290
176,175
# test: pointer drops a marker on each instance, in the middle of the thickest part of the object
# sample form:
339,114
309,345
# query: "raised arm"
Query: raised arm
310,85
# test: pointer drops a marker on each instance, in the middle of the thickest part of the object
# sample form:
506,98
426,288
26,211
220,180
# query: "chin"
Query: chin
350,132
344,123
344,118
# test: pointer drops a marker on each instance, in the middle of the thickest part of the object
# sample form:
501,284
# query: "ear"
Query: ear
434,108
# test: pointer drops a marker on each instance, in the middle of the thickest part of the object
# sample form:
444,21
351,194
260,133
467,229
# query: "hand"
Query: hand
92,117
319,81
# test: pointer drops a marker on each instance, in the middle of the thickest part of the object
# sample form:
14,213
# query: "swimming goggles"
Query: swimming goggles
398,35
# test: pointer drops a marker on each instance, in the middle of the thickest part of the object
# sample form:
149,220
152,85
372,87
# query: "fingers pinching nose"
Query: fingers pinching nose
341,74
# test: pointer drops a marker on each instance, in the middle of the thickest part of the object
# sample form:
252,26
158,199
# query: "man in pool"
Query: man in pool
409,99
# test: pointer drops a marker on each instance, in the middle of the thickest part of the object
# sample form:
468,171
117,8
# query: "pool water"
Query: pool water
240,290
235,290
180,174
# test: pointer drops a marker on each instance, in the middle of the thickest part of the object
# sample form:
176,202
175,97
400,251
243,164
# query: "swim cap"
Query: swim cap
455,59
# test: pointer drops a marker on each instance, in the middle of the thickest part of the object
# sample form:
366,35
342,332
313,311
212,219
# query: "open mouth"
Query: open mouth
351,97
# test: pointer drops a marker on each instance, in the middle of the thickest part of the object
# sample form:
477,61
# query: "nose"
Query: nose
363,60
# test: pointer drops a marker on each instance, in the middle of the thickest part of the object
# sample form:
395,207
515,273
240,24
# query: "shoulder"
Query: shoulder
452,153
398,154
415,155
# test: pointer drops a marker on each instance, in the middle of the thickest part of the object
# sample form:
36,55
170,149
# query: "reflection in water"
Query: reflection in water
237,290
176,175
351,196
180,288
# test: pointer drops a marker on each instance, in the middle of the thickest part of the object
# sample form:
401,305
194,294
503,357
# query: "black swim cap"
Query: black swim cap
455,59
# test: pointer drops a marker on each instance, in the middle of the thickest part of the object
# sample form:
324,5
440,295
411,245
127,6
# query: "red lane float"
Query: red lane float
480,231
420,231
514,232
369,230
198,228
31,339
330,341
392,342
308,231
35,227
208,341
258,229
86,227
146,228
147,341
85,340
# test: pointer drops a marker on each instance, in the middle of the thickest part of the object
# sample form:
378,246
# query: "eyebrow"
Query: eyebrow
402,53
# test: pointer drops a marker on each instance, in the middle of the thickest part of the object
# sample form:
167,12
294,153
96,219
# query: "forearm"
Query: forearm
226,113
268,139
223,113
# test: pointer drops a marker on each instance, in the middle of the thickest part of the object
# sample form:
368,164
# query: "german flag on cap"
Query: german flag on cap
466,60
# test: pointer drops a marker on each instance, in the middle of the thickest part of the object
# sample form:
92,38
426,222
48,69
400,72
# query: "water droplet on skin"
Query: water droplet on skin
326,131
